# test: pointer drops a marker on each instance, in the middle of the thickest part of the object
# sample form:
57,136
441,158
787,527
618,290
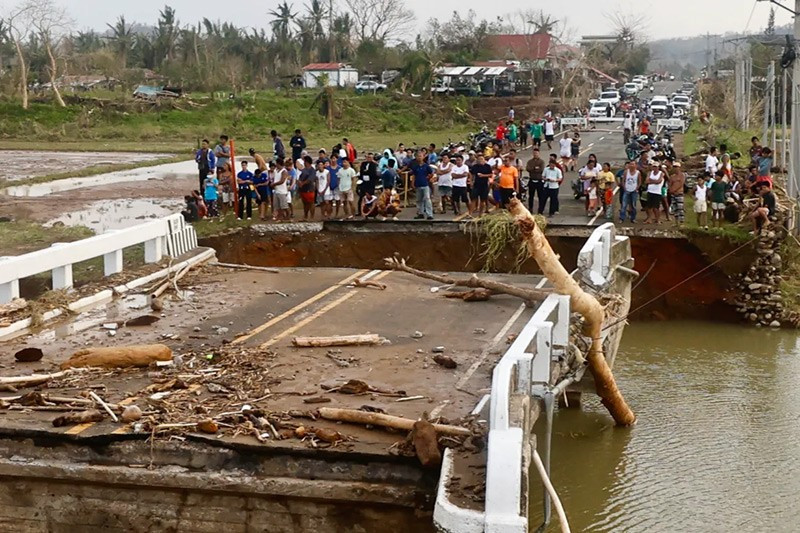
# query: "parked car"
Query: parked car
601,109
687,88
439,87
369,86
658,105
682,101
612,97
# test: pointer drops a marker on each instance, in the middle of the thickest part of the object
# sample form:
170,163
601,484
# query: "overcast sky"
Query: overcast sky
672,18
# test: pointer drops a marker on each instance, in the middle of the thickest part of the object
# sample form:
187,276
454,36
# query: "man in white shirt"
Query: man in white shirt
552,177
565,150
460,173
549,130
712,163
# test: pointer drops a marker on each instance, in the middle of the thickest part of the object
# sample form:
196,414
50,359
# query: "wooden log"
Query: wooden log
474,282
378,419
92,415
119,356
246,267
31,380
338,340
582,303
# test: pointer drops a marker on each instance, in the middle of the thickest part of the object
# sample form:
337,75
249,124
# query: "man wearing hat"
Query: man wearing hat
677,180
655,180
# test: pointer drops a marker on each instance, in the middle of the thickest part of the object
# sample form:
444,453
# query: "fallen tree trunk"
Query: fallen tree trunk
119,356
246,267
474,282
338,340
582,303
378,419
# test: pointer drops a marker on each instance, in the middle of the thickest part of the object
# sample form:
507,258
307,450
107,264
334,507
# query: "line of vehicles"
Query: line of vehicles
612,101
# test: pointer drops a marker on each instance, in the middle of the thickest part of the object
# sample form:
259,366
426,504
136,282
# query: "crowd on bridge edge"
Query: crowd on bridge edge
473,179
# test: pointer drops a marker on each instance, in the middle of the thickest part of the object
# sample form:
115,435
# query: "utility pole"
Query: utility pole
794,153
708,54
768,104
772,116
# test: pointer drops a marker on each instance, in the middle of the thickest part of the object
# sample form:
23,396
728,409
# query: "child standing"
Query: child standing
594,202
701,202
211,194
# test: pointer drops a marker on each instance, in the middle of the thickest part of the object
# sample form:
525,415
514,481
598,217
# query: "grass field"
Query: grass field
19,236
371,121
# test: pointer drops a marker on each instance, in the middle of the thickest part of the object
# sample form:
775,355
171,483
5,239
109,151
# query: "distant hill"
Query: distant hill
668,54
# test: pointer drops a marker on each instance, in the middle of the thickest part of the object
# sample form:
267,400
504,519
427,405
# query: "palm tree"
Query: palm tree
282,19
166,35
419,71
543,23
122,39
86,42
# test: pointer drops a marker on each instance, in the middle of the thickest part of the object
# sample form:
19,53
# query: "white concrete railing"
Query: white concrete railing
169,235
523,369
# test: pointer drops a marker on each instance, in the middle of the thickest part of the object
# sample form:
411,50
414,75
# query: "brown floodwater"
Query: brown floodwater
715,448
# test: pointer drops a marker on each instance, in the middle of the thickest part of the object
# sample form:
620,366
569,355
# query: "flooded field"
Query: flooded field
715,445
106,215
31,164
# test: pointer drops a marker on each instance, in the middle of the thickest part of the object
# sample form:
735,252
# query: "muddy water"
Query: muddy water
716,444
119,214
31,163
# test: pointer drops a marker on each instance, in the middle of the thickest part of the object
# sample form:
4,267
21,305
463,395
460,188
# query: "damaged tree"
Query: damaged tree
584,304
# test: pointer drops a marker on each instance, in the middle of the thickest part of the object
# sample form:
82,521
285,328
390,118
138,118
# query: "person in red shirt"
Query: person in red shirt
500,133
350,149
644,126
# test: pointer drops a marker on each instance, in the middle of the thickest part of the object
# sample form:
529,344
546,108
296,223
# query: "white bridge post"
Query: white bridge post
153,250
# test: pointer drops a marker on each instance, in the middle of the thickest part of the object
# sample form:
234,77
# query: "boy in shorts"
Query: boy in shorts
718,188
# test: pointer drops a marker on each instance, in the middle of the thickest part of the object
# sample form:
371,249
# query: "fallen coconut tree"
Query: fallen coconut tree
582,303
473,282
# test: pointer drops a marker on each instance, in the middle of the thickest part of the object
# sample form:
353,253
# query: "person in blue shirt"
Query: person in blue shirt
244,180
389,175
421,172
433,158
211,193
334,166
263,193
206,160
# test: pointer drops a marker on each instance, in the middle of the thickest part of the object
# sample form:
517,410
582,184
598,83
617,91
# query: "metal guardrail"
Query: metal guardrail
170,234
523,370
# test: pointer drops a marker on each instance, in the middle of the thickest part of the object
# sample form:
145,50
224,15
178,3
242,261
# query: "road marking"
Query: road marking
297,308
600,139
74,430
541,283
478,362
598,213
319,313
590,145
497,338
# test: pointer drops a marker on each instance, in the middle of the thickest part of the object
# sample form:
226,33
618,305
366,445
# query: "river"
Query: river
716,445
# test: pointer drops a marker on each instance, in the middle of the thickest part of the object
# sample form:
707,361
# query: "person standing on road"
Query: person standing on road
444,173
509,181
281,190
350,149
565,150
481,174
523,135
718,188
535,168
677,180
298,144
553,177
222,152
307,185
712,163
654,183
627,128
631,181
511,114
346,196
460,175
368,175
549,131
206,160
278,150
324,191
258,159
244,182
605,187
422,173
537,130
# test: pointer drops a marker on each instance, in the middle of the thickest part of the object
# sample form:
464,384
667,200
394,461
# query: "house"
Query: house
338,75
520,47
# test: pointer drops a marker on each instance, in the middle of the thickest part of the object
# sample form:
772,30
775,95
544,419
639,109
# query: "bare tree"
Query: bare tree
380,20
18,24
50,23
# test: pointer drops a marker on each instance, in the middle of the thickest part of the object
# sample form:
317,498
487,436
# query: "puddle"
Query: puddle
30,164
119,214
182,169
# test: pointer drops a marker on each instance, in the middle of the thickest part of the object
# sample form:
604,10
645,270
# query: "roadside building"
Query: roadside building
337,75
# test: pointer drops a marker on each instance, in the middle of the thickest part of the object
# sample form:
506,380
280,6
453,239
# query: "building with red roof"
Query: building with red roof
522,47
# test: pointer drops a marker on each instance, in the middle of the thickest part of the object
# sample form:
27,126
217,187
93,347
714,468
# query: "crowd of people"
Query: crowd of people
471,183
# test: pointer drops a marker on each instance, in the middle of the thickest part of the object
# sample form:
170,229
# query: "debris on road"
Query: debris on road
445,361
29,355
92,415
338,340
119,356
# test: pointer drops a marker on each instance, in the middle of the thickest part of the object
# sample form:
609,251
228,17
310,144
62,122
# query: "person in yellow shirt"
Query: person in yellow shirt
605,186
509,181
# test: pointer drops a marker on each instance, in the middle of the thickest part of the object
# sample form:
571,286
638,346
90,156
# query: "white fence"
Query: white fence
523,370
171,235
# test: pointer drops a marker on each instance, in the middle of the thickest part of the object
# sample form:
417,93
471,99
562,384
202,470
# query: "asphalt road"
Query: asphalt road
605,141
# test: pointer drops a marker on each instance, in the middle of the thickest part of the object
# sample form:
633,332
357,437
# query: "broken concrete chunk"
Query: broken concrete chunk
438,349
445,361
